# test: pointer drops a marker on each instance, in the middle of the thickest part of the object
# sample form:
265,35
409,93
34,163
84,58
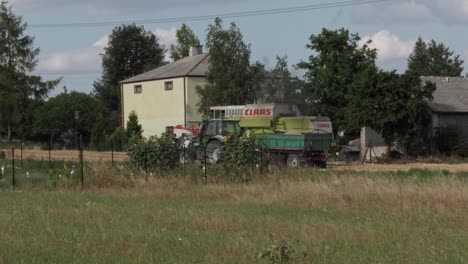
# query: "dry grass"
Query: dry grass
339,217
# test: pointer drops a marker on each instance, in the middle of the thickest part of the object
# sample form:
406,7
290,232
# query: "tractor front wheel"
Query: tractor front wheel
213,151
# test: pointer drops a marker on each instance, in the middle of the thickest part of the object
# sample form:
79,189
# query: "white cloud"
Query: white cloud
390,47
412,11
70,61
167,37
88,59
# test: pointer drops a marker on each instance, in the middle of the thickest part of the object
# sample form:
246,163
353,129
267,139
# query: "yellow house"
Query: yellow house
166,96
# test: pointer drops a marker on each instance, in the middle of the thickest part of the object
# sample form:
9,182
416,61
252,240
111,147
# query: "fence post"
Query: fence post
50,148
81,167
261,160
205,167
146,164
21,153
112,153
185,159
13,167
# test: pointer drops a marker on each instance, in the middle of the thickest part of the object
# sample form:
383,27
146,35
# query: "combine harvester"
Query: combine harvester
285,137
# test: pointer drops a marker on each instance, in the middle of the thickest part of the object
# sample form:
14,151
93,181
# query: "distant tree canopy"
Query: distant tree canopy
131,51
57,115
185,39
434,59
346,85
229,75
394,105
277,85
336,62
20,93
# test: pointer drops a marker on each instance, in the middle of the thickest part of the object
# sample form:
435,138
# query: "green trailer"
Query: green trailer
297,149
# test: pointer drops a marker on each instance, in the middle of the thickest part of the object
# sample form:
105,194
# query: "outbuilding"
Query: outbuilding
449,107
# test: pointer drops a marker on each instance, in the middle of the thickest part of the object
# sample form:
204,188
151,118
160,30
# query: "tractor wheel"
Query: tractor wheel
294,161
213,151
187,157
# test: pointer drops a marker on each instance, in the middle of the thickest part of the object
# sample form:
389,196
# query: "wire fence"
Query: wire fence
26,166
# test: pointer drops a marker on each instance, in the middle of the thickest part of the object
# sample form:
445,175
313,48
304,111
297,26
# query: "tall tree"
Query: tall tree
392,104
131,51
185,39
229,71
331,70
280,86
434,59
57,115
19,92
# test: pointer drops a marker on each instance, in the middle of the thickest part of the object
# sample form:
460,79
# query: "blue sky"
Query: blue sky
393,25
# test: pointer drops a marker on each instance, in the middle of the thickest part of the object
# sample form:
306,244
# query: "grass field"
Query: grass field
334,216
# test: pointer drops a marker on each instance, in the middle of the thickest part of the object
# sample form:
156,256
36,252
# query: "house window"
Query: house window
168,86
138,89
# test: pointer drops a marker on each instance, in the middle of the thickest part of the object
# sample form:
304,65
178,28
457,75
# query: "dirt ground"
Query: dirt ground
72,155
462,167
67,155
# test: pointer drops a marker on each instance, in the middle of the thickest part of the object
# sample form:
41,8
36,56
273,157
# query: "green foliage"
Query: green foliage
280,87
434,59
155,153
119,139
185,39
131,51
451,141
134,129
283,252
331,71
240,155
20,93
98,134
229,71
57,115
393,104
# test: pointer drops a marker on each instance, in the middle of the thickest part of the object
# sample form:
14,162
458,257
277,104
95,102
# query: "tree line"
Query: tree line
341,80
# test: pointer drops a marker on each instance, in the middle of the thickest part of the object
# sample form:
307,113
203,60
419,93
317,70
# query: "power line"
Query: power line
209,17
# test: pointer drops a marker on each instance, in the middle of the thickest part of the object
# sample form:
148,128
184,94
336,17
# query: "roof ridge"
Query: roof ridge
198,64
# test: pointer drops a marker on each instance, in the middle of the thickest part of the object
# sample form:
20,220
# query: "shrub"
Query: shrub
451,141
119,139
241,155
282,252
155,153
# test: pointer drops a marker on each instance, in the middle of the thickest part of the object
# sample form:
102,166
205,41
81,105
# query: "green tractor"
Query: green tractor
211,138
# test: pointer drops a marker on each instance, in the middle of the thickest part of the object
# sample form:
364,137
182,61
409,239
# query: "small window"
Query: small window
138,89
168,86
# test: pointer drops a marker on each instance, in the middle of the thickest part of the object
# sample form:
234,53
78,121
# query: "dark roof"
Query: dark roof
451,95
195,66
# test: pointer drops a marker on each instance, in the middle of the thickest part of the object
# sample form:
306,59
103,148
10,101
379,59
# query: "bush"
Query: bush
155,153
241,155
119,139
451,141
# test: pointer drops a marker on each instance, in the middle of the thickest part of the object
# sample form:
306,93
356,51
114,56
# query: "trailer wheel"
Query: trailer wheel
294,161
213,151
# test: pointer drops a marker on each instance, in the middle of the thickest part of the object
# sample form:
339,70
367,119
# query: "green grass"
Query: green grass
337,218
